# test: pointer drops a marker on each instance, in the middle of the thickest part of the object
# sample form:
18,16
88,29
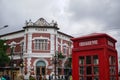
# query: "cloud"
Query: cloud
88,16
14,13
104,11
68,13
75,17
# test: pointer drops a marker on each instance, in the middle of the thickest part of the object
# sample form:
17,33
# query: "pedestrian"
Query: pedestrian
6,76
20,77
70,77
26,76
1,77
49,77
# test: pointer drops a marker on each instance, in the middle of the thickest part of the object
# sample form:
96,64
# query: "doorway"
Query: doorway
40,69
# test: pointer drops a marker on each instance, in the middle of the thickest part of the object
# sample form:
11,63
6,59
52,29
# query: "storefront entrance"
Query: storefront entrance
40,69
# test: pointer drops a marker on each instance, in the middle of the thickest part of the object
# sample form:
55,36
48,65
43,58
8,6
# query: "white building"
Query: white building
37,44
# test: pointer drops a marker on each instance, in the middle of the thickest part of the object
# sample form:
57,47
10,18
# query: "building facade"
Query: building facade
37,47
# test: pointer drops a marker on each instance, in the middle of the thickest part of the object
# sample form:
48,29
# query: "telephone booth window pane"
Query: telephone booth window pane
81,60
89,78
81,70
89,67
88,60
113,78
95,60
88,70
82,78
112,70
112,60
96,70
112,67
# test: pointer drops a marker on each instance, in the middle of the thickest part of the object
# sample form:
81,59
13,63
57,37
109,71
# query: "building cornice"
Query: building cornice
65,34
41,27
12,33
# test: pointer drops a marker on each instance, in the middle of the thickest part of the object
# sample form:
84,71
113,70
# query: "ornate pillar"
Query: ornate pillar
29,51
52,46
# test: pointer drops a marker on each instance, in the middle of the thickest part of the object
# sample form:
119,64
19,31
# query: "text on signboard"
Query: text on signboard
86,43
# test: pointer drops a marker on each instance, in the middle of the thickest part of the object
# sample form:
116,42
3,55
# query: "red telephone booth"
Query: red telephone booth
94,57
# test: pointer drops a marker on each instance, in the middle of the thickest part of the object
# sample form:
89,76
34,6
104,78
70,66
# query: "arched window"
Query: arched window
40,63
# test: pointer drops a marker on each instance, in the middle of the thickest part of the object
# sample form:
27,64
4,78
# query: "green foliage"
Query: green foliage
68,62
60,55
32,78
2,45
4,59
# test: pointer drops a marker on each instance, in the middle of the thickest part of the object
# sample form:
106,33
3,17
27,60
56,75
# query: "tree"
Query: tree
60,55
4,58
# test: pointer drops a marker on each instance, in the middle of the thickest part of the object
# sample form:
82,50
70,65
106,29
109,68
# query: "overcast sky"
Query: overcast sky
74,17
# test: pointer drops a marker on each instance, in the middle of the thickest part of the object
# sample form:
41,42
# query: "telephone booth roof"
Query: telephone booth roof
93,35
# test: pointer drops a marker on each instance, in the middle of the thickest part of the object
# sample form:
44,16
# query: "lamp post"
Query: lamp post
11,64
21,63
58,56
21,58
12,45
55,63
3,27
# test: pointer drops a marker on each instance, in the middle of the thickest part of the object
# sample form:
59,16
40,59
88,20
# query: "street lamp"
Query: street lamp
3,27
21,58
21,65
12,46
57,58
55,63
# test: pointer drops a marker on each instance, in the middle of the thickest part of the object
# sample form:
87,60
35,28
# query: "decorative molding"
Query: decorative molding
39,22
41,59
38,55
41,37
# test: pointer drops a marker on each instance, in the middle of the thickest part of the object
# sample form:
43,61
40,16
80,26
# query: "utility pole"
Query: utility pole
12,45
11,63
55,62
